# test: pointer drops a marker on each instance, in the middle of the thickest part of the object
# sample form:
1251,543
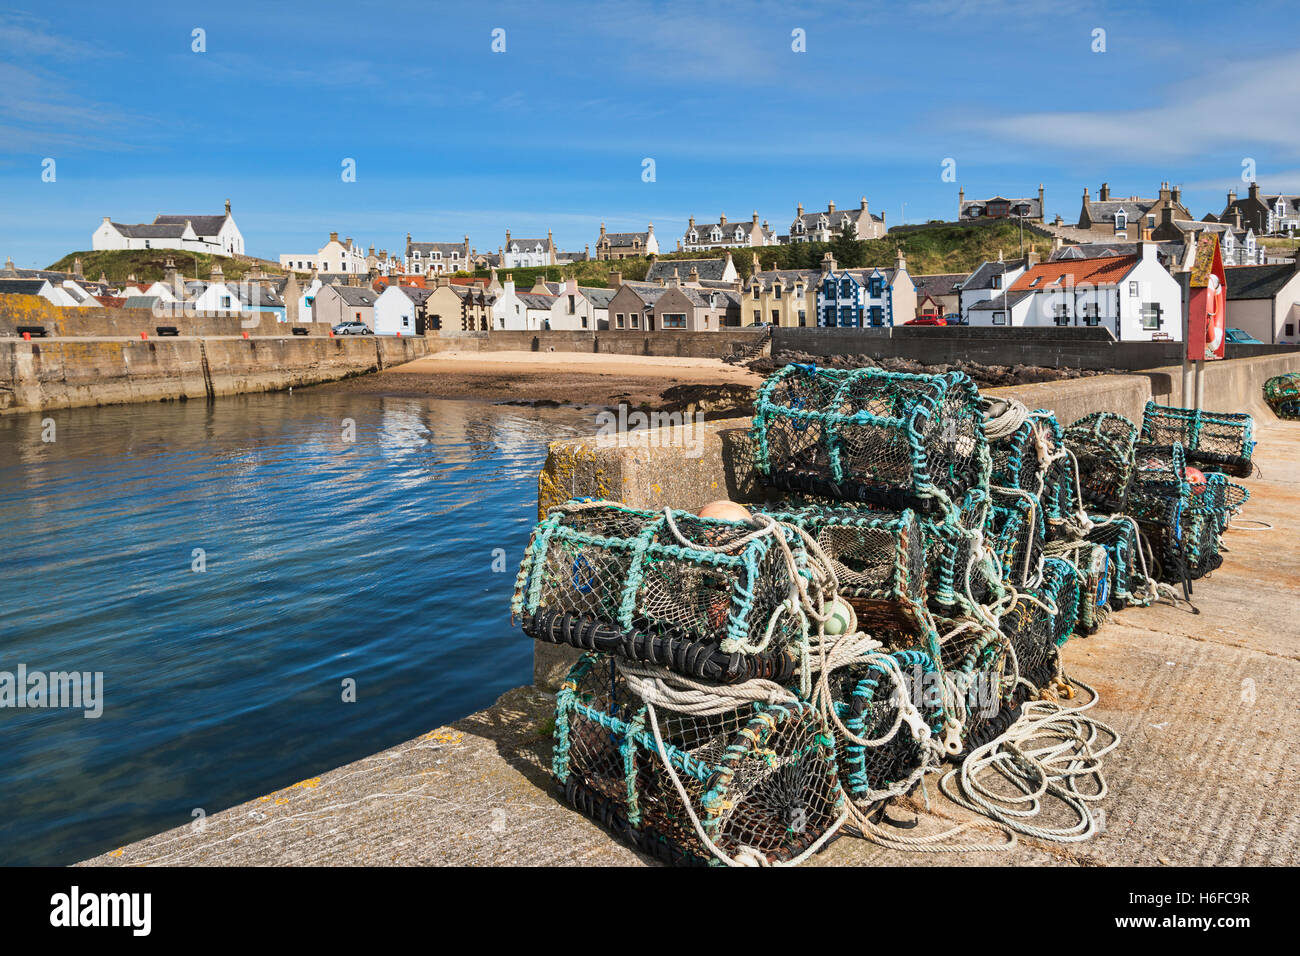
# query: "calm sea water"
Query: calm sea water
324,560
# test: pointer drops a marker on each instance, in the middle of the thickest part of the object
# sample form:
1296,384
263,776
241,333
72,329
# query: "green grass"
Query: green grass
150,264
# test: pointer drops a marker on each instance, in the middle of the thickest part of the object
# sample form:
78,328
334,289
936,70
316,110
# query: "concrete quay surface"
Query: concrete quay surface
1206,704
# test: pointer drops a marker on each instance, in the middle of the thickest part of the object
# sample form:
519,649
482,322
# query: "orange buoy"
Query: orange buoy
1195,478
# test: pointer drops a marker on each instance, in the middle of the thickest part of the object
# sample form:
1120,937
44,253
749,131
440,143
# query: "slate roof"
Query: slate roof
535,300
599,298
141,302
353,294
666,268
21,286
788,278
1026,206
998,303
1099,211
203,225
649,292
417,294
147,230
424,248
938,284
1257,282
626,238
982,277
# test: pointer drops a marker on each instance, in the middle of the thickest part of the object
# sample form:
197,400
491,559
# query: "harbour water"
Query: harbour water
235,574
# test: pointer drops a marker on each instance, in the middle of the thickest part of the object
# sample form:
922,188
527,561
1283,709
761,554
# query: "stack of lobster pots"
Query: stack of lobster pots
902,582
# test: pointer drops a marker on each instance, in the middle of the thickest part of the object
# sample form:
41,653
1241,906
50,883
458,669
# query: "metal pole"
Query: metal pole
1200,385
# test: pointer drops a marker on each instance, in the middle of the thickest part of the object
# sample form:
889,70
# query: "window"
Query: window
1290,329
1062,314
876,286
776,292
776,316
997,282
1121,220
635,319
1037,279
758,315
1091,313
1133,289
1151,315
1151,222
877,316
571,304
999,318
755,292
803,319
225,301
674,320
618,320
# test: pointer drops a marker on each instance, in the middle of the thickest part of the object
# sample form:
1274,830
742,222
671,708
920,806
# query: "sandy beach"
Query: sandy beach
567,378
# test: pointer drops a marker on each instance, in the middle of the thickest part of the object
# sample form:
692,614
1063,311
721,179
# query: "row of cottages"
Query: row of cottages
623,245
548,306
1267,214
1265,301
832,224
64,292
1000,207
1134,296
217,234
447,305
1117,217
341,257
829,298
669,305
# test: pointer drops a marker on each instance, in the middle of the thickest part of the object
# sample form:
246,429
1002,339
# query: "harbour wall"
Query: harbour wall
68,372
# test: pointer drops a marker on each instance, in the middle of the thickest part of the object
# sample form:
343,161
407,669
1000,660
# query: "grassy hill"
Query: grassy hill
941,247
150,264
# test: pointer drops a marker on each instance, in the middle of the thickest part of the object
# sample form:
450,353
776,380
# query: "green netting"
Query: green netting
1102,444
1282,392
1221,441
868,435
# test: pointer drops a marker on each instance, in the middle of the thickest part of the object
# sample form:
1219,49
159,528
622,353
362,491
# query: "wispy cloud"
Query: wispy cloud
1241,106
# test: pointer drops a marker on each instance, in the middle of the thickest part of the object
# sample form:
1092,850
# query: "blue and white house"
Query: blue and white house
864,298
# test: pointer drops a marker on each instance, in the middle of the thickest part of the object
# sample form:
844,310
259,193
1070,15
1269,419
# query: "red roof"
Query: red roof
1065,272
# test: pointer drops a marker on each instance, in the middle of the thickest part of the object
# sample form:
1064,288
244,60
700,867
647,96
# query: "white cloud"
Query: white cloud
1226,107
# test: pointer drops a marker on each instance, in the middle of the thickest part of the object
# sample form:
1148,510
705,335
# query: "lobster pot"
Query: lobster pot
699,599
973,659
1103,445
890,753
1119,536
1215,441
1184,535
1282,392
761,777
867,435
1059,587
1016,534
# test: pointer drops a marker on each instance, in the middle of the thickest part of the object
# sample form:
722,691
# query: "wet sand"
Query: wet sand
566,378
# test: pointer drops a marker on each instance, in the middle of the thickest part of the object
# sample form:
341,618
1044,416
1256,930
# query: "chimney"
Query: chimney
216,275
1177,194
690,223
507,237
863,208
334,237
1031,258
76,268
830,206
1056,243
694,277
753,264
1085,195
1042,212
1104,195
828,263
650,228
900,261
722,220
441,281
1164,192
106,219
1147,250
798,211
9,264
1254,190
615,278
292,298
1232,196
755,225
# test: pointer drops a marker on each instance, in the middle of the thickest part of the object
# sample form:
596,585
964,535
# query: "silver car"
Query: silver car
352,328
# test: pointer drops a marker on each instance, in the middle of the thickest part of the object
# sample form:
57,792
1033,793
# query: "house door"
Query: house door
419,323
650,322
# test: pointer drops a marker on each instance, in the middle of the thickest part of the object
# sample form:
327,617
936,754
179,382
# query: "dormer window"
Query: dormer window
1121,220
740,235
1037,279
694,237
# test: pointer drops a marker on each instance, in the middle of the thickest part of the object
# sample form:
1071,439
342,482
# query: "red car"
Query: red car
927,320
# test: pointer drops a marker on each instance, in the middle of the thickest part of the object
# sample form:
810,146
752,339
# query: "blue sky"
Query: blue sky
451,138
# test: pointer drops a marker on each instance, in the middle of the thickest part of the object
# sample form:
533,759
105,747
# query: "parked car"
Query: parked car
927,320
953,318
352,328
1241,337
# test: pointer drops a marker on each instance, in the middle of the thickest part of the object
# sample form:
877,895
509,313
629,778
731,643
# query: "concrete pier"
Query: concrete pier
1205,703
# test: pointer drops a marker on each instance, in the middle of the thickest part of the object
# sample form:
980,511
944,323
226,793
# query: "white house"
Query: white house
42,287
432,258
571,310
335,258
521,311
1133,296
725,235
989,281
396,309
212,234
528,253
